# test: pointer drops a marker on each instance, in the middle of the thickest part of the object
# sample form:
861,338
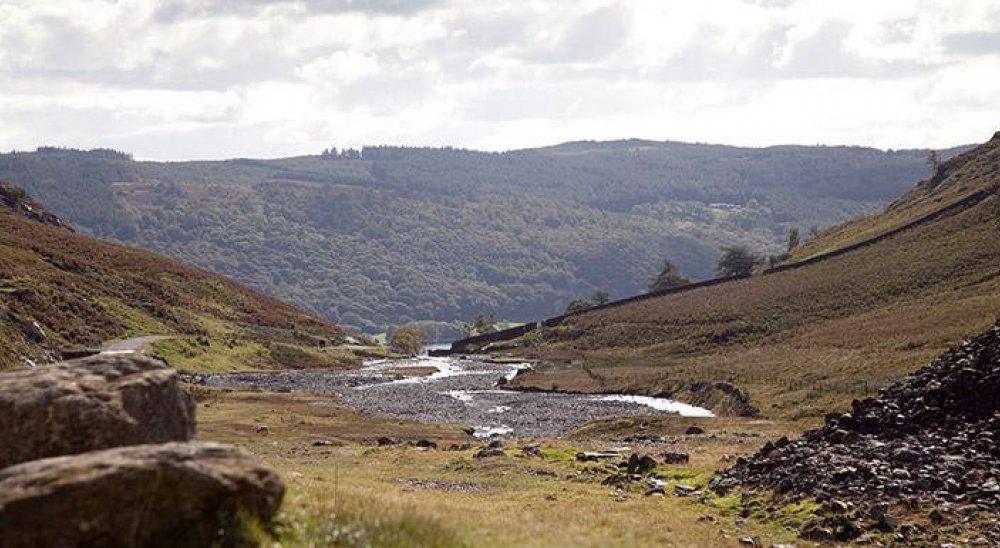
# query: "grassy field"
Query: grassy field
804,342
197,354
345,491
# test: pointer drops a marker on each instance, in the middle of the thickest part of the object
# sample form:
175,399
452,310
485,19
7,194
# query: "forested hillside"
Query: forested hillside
388,235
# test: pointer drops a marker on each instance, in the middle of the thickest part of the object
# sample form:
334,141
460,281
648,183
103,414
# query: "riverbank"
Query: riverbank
469,392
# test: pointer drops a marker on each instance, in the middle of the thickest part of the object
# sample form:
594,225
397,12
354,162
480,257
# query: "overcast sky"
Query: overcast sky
178,79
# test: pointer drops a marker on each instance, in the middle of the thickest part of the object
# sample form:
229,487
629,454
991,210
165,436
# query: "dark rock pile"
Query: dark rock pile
930,441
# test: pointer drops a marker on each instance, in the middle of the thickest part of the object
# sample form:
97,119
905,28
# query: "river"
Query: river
463,391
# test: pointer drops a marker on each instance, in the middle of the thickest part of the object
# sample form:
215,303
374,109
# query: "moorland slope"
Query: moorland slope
805,341
60,290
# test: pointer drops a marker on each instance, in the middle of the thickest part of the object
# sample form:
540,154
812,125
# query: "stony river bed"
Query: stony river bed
462,391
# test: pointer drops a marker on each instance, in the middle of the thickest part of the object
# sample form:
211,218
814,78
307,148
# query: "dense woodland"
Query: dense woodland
388,235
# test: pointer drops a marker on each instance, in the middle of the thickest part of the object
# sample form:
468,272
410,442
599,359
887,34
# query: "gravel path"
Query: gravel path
462,391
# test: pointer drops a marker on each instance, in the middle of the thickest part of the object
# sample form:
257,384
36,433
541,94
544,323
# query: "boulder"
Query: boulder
675,458
486,453
532,450
174,494
90,404
425,444
640,464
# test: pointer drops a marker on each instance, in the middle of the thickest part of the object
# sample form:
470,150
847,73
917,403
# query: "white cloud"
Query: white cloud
217,78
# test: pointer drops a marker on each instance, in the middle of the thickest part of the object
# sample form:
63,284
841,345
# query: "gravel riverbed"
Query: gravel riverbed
462,391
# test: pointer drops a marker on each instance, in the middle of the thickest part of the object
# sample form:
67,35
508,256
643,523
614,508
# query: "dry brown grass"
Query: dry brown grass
804,342
959,178
84,291
353,486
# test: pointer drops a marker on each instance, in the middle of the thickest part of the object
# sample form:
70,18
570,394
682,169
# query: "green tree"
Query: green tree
483,324
794,238
736,261
407,339
669,276
578,305
933,161
600,297
597,298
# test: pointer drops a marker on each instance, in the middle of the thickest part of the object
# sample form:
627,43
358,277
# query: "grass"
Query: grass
204,355
803,342
558,453
358,521
84,291
813,337
350,493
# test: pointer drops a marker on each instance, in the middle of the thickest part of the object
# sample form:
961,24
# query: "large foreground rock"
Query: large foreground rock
174,494
89,404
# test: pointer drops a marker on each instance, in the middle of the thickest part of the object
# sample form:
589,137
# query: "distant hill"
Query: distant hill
874,299
64,291
389,235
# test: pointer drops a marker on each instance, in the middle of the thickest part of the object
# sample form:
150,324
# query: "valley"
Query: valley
459,274
645,420
391,235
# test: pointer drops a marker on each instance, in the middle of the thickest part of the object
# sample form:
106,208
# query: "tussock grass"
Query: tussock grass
352,519
351,494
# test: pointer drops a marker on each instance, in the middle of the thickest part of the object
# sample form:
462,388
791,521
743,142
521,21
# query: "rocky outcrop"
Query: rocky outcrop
174,494
931,440
90,404
17,201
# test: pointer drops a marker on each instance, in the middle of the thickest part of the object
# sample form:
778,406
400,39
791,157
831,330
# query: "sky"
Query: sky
203,79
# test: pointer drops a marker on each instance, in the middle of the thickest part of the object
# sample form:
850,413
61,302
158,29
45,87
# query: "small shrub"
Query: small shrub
407,339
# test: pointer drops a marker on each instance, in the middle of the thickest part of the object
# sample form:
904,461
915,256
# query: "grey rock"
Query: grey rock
640,464
182,494
675,458
532,450
685,490
906,455
90,404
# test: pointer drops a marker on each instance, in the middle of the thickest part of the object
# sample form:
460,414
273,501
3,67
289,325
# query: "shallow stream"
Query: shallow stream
461,391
